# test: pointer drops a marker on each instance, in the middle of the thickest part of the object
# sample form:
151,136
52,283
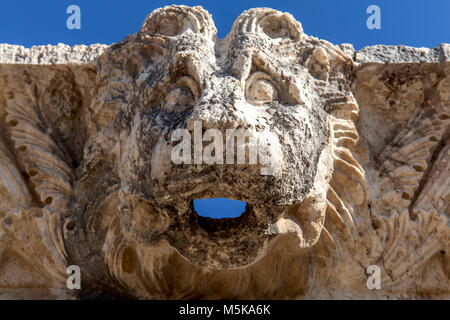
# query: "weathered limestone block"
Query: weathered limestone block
359,173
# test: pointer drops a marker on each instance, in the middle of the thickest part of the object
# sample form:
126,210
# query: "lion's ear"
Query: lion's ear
175,20
318,64
326,59
274,24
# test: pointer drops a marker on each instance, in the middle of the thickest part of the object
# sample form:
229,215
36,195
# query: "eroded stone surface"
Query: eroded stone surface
50,55
360,172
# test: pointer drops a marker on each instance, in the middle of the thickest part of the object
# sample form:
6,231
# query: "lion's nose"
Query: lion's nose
220,107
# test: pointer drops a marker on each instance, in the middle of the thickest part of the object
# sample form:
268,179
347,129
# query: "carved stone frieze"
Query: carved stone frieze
359,173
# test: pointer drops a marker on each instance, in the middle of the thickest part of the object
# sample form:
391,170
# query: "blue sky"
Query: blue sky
410,22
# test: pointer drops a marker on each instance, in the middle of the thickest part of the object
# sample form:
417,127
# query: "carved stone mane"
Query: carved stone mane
360,175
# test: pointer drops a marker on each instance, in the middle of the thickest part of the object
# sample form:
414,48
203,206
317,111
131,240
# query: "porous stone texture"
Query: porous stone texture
50,55
359,173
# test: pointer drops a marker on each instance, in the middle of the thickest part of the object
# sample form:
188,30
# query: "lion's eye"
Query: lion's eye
178,98
259,89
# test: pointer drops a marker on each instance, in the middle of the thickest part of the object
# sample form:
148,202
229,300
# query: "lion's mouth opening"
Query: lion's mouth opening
218,242
239,238
219,208
233,238
221,217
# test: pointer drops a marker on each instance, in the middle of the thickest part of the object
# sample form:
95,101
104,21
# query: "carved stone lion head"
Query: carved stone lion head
266,80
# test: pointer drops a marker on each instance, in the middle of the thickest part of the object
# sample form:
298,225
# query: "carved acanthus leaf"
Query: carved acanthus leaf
406,245
406,161
36,228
